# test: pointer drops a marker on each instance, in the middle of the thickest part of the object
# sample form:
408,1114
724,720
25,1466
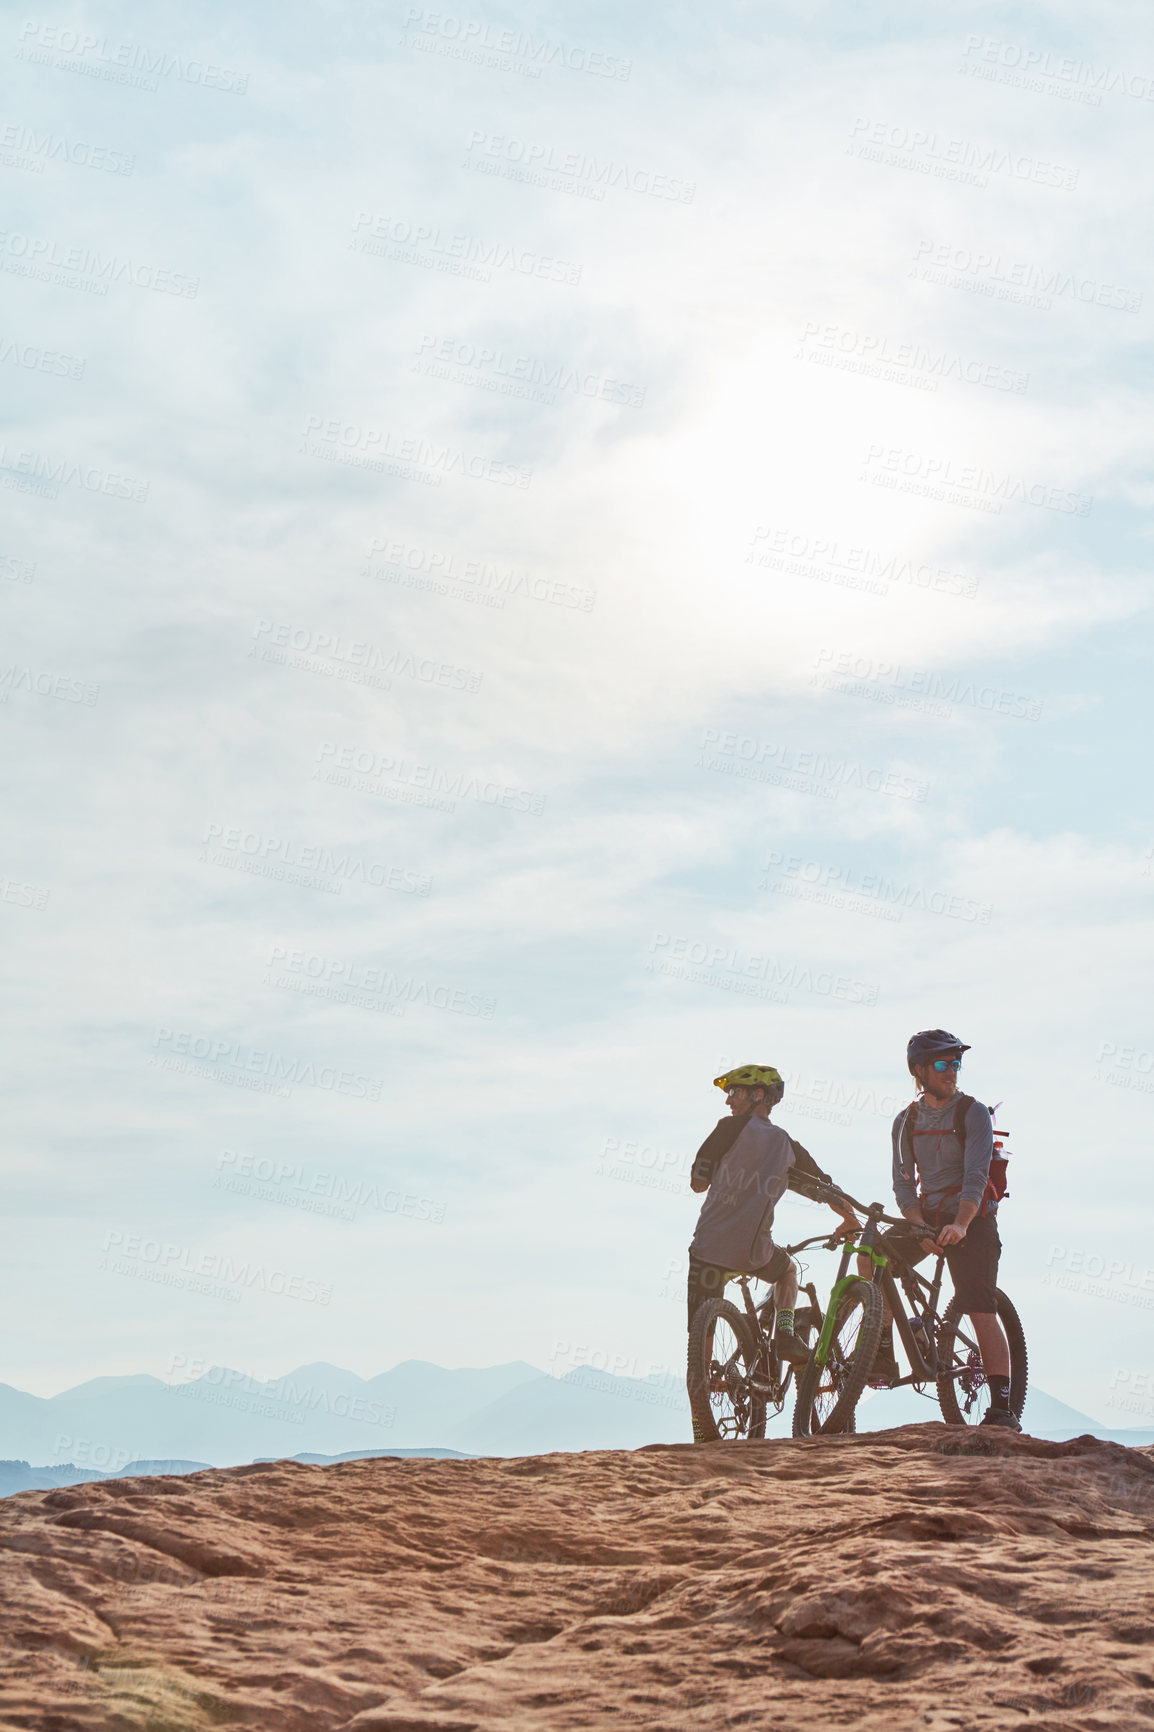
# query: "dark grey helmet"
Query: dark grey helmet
932,1043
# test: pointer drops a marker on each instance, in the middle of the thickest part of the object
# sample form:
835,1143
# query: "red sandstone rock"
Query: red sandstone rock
922,1578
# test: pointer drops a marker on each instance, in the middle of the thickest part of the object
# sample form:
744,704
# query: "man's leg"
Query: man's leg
992,1344
785,1341
782,1271
974,1272
996,1364
706,1281
785,1294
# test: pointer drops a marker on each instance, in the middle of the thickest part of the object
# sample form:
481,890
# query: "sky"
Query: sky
550,552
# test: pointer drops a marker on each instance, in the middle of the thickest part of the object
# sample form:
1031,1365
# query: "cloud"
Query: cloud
513,487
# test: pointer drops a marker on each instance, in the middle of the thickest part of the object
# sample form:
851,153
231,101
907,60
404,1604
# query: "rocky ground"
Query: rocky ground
922,1578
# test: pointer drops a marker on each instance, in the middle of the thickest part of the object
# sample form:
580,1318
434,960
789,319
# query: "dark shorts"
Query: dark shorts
973,1264
707,1280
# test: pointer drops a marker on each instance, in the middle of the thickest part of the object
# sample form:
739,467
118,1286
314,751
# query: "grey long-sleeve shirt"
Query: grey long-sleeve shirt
940,1165
745,1180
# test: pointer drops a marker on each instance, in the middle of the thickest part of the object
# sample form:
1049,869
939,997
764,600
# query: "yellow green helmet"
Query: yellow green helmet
752,1076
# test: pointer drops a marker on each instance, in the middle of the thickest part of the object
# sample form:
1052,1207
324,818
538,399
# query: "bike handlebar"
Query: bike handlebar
818,1239
871,1210
834,1193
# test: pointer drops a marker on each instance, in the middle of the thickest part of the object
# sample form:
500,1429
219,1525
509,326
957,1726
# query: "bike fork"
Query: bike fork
842,1281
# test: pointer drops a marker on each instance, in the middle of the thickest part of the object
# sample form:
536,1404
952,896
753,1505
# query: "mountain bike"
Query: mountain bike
733,1376
938,1344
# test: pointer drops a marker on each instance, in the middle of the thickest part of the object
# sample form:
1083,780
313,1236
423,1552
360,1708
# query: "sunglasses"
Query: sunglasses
941,1064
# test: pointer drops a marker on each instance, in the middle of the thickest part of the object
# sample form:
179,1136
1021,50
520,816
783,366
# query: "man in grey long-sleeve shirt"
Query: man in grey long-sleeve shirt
941,1186
943,1170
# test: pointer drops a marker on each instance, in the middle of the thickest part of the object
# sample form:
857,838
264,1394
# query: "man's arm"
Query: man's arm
905,1182
807,1180
979,1149
906,1186
709,1156
955,1231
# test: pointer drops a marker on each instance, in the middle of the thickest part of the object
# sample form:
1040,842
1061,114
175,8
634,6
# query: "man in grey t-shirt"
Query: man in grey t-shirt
746,1164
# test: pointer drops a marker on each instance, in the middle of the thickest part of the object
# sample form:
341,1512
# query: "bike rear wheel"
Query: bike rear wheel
828,1394
964,1397
720,1376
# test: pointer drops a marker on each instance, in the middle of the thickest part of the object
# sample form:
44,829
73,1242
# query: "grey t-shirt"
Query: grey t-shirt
940,1164
735,1227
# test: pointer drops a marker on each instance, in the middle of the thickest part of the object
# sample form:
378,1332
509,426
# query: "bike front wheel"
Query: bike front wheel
722,1376
963,1393
828,1394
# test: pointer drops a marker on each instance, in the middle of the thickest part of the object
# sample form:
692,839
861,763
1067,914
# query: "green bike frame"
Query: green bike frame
840,1287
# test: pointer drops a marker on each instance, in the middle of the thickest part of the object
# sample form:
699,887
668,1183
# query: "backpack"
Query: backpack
996,1186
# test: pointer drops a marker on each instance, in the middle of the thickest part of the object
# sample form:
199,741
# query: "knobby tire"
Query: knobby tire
843,1377
950,1353
736,1405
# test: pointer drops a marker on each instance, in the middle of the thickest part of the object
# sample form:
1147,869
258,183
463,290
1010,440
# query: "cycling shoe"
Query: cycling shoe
791,1347
1003,1417
885,1370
